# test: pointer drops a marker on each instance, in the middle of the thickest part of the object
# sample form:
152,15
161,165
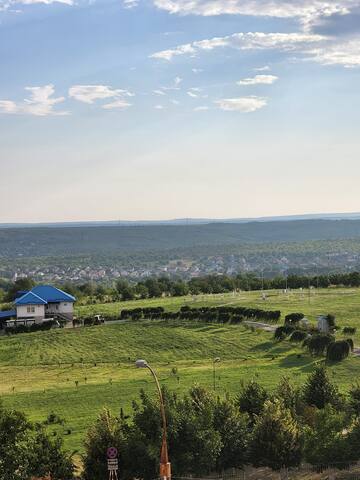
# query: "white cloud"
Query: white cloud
266,68
241,104
91,93
174,102
159,107
159,92
244,41
192,94
8,4
201,108
307,12
41,103
197,70
345,53
117,104
259,80
129,4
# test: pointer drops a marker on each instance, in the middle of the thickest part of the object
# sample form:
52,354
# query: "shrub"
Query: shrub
293,318
317,344
298,336
349,330
337,351
282,332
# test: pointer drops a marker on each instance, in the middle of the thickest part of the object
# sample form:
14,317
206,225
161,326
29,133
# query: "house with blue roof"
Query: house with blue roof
42,303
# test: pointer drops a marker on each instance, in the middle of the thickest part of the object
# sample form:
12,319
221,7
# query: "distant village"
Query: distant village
186,268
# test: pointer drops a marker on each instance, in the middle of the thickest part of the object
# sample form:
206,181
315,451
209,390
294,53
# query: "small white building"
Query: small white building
42,303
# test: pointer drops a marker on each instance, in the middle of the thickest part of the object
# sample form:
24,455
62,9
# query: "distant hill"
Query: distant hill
105,240
187,221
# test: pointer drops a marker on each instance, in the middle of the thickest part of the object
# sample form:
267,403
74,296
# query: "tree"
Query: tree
22,284
105,433
252,398
288,394
354,400
318,390
276,440
234,431
324,440
26,450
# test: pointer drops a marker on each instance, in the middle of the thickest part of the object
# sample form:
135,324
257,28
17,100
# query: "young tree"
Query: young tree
234,431
275,441
252,398
105,433
324,441
319,391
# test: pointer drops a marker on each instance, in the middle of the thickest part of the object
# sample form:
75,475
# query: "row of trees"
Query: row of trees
208,314
210,284
281,429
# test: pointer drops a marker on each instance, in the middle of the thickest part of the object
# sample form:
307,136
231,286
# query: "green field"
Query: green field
75,372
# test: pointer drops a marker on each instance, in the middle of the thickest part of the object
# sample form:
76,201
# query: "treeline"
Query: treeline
122,290
312,424
208,314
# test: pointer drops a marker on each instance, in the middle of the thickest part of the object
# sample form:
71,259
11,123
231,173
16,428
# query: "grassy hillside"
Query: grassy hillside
75,372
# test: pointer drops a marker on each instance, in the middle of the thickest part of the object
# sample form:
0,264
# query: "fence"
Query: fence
334,471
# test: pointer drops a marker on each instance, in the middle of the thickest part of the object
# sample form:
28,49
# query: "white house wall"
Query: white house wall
38,314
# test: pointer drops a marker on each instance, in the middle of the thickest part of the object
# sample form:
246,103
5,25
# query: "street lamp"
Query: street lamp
215,361
165,466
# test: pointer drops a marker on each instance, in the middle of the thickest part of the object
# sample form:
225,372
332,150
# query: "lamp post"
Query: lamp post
165,466
215,361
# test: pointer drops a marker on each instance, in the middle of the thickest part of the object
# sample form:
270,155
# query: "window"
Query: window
31,309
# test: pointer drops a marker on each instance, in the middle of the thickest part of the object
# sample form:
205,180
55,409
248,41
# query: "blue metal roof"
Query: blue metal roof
7,314
51,294
30,298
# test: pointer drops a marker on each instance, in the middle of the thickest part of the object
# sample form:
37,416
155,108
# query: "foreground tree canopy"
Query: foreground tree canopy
27,451
312,424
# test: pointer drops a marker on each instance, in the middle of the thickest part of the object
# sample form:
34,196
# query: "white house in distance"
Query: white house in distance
42,303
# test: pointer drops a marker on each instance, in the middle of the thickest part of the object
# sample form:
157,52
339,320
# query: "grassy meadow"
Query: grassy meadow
76,372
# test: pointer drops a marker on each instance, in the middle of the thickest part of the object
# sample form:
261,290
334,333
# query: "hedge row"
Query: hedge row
209,314
35,327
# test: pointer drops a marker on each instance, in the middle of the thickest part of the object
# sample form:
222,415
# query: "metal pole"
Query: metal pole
165,466
214,376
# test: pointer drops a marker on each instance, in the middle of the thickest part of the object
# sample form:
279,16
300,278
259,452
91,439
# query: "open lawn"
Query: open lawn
76,372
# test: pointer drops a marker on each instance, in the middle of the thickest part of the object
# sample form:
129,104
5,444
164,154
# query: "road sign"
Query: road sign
113,464
112,452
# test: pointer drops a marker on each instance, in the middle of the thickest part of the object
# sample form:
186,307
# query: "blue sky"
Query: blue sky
153,109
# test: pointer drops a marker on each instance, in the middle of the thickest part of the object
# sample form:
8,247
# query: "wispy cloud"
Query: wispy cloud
129,4
242,104
91,93
41,103
244,41
117,105
201,108
259,80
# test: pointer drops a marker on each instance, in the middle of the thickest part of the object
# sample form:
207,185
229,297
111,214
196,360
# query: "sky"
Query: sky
161,109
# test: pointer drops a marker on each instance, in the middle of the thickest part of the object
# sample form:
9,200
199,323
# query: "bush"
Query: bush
298,336
317,344
282,332
337,351
293,318
349,330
